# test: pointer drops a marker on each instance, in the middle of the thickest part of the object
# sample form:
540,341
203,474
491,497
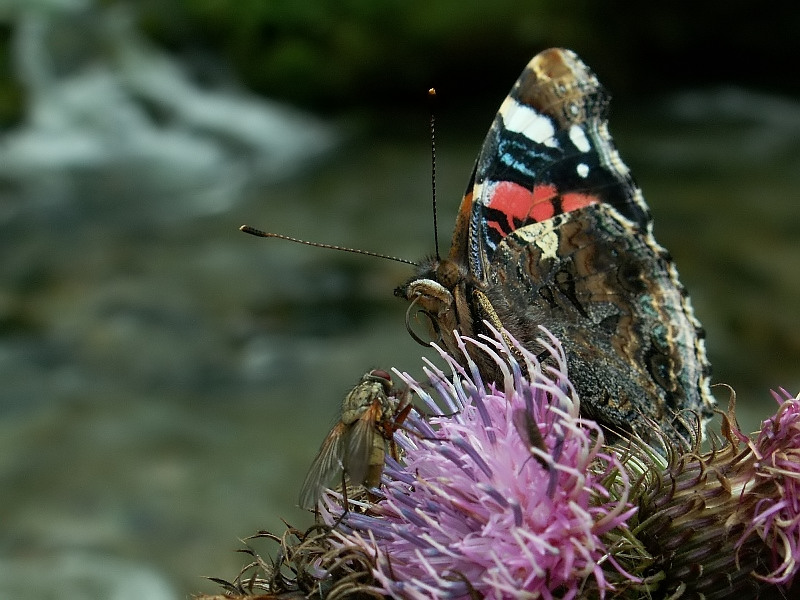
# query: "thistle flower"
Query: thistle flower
776,485
505,495
509,493
725,523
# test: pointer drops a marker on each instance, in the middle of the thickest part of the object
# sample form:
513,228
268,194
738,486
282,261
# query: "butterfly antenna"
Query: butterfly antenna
265,234
432,96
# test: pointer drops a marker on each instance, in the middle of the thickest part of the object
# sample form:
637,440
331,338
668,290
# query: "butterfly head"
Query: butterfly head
440,292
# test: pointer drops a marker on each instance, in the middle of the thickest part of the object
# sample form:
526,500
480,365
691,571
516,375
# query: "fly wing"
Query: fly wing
360,440
327,463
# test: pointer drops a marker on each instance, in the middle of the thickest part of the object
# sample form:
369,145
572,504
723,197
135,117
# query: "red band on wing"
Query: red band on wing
513,201
542,207
521,205
574,201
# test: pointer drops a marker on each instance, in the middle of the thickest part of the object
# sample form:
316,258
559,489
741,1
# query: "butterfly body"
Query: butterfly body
553,231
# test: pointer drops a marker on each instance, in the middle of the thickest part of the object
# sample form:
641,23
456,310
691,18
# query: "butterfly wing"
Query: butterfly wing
555,232
548,152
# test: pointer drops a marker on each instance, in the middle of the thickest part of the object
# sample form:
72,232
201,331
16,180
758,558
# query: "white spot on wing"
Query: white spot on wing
578,137
523,119
543,235
583,170
478,194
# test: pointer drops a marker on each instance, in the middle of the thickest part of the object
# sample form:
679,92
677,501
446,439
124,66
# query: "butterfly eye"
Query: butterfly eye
448,274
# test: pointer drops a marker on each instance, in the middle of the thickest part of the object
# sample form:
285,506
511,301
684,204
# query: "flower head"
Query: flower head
724,523
776,488
501,495
509,493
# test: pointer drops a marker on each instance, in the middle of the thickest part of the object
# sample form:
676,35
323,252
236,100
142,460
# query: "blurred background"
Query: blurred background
166,380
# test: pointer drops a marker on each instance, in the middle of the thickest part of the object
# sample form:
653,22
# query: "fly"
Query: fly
355,447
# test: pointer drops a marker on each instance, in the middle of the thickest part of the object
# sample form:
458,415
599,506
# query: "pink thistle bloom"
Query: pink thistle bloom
725,523
505,495
776,483
509,493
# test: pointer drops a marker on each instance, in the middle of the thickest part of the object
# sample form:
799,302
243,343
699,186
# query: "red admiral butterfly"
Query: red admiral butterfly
553,231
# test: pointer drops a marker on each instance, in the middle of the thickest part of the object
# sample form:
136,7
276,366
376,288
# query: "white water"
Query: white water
124,111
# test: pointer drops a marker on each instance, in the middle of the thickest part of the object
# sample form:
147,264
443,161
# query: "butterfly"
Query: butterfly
356,445
553,232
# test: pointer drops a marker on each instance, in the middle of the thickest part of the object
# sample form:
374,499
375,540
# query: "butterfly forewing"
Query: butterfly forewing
547,153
